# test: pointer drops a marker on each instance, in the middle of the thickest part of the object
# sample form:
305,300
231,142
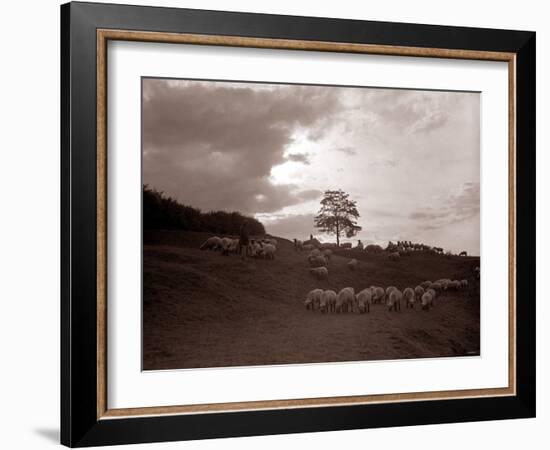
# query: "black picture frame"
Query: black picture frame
80,425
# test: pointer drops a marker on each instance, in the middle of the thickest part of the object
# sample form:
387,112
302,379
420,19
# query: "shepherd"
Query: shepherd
244,239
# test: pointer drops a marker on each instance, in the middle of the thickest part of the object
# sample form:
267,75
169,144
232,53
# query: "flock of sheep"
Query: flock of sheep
257,248
394,251
348,301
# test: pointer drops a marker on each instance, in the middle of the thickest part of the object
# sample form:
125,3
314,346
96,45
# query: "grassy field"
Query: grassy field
202,309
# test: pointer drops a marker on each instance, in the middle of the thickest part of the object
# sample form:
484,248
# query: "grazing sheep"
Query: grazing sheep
426,284
313,298
444,282
321,273
454,285
345,300
388,290
427,301
378,294
394,300
330,300
268,251
394,256
317,261
352,265
409,297
364,300
323,304
464,283
433,293
463,253
418,291
254,249
327,253
315,252
212,243
234,246
437,287
373,248
225,242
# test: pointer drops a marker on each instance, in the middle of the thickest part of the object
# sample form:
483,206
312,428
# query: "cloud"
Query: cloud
299,157
212,145
430,122
299,226
347,150
271,150
309,194
453,209
409,111
383,163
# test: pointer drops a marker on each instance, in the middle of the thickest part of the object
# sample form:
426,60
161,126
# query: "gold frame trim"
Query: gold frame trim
103,36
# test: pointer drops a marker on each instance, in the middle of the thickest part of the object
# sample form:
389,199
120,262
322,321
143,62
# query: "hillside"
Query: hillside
204,309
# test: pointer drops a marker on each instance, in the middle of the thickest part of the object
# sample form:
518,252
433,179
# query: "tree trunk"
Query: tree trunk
337,235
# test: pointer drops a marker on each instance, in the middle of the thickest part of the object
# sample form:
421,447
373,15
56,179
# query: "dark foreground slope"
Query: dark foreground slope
202,309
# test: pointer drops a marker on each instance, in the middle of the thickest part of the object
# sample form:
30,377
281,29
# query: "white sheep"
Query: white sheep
444,282
323,304
317,261
314,252
233,246
433,293
378,294
313,298
327,253
372,248
212,243
388,290
454,285
394,256
345,299
427,300
321,273
464,283
409,297
426,284
225,242
254,249
363,300
268,251
330,299
352,264
418,291
437,287
394,300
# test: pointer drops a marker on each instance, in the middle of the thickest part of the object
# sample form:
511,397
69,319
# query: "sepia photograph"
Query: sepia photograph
301,224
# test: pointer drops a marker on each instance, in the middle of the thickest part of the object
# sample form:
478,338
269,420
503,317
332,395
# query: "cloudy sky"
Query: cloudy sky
409,158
